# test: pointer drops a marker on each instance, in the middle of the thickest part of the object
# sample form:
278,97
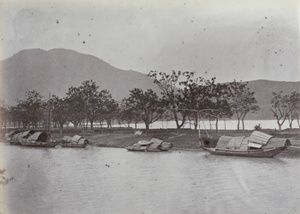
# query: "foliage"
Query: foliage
257,127
293,107
30,110
107,108
86,101
4,113
144,105
279,108
241,100
172,96
59,110
75,106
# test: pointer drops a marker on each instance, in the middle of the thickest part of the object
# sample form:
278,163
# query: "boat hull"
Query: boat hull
260,153
42,144
145,150
74,145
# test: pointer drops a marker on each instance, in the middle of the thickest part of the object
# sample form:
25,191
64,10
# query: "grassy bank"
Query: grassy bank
181,139
184,139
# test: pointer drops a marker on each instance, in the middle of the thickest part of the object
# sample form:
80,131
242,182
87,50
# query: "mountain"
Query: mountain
263,93
58,69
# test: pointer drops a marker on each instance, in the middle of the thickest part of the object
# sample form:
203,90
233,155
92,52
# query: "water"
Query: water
227,124
110,180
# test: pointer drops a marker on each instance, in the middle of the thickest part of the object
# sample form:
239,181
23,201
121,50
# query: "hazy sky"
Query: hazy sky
229,39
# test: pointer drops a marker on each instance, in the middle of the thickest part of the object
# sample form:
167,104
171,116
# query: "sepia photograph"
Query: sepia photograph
149,107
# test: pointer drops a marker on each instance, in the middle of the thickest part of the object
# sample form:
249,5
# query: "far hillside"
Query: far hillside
58,69
263,93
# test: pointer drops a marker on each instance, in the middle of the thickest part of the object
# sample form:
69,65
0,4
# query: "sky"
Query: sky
227,39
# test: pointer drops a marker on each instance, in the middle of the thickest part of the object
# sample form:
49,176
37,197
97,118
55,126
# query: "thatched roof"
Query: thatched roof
255,140
38,136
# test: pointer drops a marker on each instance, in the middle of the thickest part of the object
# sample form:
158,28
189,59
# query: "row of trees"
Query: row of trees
286,108
184,98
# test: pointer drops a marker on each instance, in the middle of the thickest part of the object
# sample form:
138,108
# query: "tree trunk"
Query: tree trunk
147,127
217,128
291,124
243,124
238,124
279,125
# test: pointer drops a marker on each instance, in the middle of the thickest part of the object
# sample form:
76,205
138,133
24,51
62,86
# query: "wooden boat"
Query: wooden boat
262,153
258,144
154,145
74,142
30,138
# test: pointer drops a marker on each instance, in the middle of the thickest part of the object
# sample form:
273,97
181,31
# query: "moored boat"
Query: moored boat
74,142
154,145
258,144
30,138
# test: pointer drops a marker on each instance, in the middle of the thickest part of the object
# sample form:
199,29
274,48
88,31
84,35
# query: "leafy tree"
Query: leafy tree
293,106
4,113
196,94
75,106
146,104
15,116
31,108
127,114
107,107
242,101
219,103
172,98
92,99
86,101
279,108
59,111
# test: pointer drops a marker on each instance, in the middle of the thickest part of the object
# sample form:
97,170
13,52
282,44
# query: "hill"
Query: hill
263,93
58,69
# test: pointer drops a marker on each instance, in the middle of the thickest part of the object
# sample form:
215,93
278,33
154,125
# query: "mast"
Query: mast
49,116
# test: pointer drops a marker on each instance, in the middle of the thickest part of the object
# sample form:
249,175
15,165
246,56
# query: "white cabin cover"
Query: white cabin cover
76,138
259,138
235,142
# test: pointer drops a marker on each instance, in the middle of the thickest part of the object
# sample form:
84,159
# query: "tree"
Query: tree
293,107
127,114
92,102
146,104
107,107
219,103
59,110
4,113
279,108
31,109
75,106
242,101
172,97
196,94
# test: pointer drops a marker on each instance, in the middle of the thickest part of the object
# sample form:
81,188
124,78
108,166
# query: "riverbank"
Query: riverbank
184,139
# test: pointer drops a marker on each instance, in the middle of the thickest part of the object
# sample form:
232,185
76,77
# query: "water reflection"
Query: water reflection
108,180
